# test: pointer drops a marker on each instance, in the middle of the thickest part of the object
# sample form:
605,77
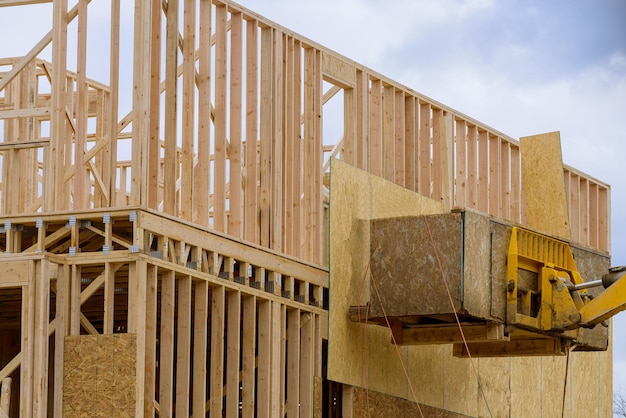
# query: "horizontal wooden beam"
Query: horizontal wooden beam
230,247
450,333
15,273
517,348
32,112
7,3
23,144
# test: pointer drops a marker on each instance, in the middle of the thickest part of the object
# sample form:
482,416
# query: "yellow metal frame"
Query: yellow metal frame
552,260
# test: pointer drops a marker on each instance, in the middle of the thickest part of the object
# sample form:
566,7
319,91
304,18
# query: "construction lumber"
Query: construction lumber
197,165
445,334
5,397
543,184
99,375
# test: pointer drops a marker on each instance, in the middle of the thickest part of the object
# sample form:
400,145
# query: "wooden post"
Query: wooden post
202,170
53,198
166,362
5,397
220,121
137,302
200,337
251,229
183,346
188,119
235,147
171,93
141,100
248,344
151,339
233,348
40,351
62,328
218,312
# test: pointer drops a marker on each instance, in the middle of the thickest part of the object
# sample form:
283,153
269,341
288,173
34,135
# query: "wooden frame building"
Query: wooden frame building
164,206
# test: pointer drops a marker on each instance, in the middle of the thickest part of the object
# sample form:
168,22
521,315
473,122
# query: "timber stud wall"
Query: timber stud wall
185,196
226,131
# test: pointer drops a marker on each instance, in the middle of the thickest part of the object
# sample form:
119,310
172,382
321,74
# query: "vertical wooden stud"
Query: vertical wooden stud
277,138
109,299
221,87
388,131
53,199
75,300
171,113
494,176
248,358
438,143
265,131
200,338
137,300
293,365
166,344
505,179
217,350
399,121
114,85
410,141
188,110
424,183
141,101
264,358
80,173
375,128
362,90
151,340
62,322
236,90
251,209
483,172
233,353
202,170
307,359
27,348
516,185
183,346
461,163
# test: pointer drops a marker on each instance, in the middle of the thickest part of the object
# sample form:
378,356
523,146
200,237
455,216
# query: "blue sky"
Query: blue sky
522,67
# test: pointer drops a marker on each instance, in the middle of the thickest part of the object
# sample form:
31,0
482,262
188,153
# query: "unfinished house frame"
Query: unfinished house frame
164,207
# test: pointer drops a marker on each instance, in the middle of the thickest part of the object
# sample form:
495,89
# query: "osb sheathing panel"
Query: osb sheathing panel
543,184
99,376
378,405
363,356
405,261
318,395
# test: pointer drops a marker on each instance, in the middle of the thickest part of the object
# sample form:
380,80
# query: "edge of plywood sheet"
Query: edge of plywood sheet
543,184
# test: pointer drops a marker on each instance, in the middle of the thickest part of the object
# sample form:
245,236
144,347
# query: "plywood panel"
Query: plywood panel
543,184
365,356
99,376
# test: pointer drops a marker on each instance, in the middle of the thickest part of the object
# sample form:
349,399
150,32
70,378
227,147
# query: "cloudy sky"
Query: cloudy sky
522,67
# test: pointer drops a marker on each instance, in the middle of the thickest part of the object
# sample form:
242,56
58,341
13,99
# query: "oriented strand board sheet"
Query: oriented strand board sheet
99,376
543,184
377,405
363,356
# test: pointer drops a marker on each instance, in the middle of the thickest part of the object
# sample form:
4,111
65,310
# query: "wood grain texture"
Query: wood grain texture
543,184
